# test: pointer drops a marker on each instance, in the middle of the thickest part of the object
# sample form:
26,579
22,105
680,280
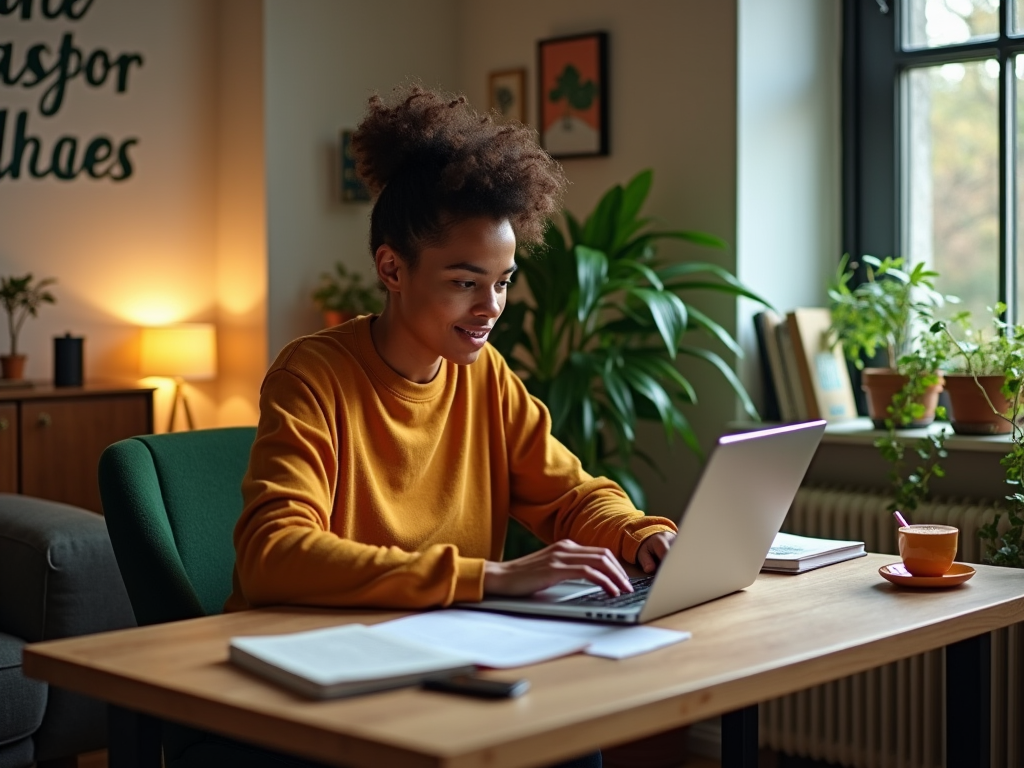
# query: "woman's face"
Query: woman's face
446,305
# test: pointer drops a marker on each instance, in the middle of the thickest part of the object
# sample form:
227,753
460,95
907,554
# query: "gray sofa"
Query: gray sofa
58,578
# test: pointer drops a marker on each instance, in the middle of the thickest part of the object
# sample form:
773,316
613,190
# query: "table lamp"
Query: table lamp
181,352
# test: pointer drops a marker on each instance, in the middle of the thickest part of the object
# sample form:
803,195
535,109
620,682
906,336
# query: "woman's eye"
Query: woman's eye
465,283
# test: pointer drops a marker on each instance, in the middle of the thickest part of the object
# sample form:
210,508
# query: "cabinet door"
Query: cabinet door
8,448
62,439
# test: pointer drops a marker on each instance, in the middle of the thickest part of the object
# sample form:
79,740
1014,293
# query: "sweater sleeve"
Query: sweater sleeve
286,552
551,493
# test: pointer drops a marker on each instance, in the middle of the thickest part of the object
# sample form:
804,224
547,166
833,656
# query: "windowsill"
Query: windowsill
861,431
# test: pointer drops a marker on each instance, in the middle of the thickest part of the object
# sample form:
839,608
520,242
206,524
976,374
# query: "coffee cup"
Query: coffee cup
928,550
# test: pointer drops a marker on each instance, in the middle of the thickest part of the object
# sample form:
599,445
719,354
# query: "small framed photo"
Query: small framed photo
507,94
352,188
572,75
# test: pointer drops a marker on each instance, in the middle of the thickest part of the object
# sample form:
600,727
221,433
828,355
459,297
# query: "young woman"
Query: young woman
392,450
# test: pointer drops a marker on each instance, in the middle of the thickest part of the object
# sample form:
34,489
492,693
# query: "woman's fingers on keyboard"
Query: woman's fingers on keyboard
558,562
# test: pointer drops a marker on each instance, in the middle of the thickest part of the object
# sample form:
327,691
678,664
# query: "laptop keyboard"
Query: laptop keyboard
641,586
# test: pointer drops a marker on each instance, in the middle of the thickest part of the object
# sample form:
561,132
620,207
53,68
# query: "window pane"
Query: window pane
1018,16
934,23
952,177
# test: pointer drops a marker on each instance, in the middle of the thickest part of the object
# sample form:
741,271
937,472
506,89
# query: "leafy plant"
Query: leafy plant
344,291
886,311
994,351
599,343
20,299
1002,353
890,312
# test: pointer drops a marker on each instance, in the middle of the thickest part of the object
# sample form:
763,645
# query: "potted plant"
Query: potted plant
600,341
891,312
342,295
20,298
999,357
980,373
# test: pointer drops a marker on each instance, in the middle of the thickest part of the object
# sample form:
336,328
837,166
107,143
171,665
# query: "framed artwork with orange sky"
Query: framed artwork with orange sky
573,89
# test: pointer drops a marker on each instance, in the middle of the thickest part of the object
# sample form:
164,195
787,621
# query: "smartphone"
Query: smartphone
481,687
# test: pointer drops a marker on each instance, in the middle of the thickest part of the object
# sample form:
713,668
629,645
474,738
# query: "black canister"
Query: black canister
67,361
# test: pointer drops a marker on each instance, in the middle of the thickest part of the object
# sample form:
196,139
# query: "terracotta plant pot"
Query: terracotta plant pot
333,317
12,366
970,413
882,384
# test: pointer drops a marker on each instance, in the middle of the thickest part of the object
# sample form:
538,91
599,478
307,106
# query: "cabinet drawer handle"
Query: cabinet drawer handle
45,419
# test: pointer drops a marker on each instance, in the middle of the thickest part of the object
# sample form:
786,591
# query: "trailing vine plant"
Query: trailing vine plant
1003,542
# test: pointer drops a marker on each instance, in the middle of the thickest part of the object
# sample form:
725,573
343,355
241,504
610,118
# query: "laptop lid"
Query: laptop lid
740,503
725,531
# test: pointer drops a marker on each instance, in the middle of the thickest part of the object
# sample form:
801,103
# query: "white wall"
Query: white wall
323,61
144,250
673,108
789,157
241,213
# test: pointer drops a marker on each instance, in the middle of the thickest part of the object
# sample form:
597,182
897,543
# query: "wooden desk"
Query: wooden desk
782,634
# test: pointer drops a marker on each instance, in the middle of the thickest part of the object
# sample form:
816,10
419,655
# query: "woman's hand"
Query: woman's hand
652,550
562,560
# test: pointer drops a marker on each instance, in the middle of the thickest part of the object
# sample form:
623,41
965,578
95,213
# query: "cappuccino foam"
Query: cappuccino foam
929,529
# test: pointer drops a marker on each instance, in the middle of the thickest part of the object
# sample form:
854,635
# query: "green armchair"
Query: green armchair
171,502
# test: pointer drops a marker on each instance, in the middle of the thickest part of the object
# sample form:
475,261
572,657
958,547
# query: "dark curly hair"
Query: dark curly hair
431,161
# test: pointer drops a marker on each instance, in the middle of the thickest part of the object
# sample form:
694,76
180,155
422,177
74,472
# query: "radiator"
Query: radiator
892,717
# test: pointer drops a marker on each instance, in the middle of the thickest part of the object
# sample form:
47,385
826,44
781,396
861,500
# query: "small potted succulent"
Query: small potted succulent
20,298
892,312
342,295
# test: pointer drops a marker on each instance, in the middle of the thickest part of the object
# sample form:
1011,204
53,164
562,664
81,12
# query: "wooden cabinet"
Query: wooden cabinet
52,444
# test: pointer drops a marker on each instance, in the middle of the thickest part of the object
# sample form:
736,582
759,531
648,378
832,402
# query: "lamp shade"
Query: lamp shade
188,351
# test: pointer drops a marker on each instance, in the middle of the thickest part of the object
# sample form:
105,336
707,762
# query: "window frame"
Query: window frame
873,109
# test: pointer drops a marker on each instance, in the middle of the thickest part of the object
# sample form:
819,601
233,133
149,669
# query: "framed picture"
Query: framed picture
507,94
572,75
352,188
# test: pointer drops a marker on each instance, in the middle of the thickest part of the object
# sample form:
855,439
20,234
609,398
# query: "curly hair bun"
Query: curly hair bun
430,159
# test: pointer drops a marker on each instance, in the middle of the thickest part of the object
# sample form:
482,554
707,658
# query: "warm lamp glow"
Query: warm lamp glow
187,351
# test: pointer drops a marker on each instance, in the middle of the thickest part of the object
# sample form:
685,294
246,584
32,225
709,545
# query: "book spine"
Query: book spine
771,323
791,373
802,357
772,410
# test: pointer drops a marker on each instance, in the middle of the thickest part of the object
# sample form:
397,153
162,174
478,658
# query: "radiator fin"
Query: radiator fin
892,717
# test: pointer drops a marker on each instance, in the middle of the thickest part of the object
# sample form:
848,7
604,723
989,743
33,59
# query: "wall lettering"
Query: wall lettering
50,71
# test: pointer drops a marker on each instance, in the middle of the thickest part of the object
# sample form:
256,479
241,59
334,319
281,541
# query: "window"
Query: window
931,115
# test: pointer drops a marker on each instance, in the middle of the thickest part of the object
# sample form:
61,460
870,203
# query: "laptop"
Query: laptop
740,502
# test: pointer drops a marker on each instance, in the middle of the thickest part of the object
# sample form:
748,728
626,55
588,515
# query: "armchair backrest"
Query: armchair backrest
171,502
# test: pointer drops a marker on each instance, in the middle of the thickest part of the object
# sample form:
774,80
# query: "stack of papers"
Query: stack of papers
796,554
352,659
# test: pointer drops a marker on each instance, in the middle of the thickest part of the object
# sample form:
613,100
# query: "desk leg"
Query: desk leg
133,739
739,738
968,702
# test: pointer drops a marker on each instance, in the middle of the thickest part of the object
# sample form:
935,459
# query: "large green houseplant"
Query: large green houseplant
600,340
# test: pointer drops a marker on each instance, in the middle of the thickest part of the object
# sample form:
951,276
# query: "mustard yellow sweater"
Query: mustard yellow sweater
366,489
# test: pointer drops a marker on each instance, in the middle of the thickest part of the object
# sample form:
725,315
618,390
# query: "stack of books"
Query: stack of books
804,372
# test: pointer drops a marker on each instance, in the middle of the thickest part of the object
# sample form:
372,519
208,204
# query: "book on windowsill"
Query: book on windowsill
344,661
795,554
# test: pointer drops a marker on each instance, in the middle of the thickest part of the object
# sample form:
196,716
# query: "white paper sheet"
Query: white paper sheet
501,642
